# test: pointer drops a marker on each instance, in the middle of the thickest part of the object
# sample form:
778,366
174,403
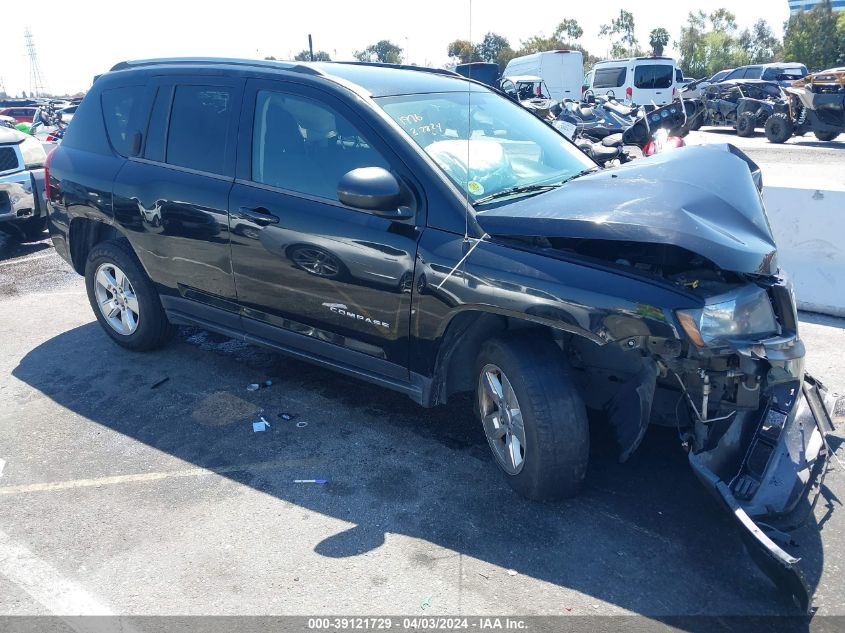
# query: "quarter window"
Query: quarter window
117,110
302,145
198,134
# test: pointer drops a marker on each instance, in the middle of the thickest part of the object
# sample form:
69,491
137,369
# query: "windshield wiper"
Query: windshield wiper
537,188
583,172
516,191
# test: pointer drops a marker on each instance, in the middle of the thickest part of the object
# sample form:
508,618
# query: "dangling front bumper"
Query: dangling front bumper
779,482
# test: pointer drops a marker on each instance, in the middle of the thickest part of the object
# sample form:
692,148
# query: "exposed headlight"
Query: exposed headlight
743,313
33,152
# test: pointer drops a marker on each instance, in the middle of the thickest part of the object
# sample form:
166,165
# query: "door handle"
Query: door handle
259,215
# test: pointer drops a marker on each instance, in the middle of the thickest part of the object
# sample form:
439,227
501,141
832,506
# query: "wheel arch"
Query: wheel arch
84,234
466,331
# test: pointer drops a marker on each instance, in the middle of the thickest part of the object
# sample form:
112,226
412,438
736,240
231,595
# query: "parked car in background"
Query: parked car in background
637,80
784,73
743,104
22,161
561,70
485,72
695,89
20,114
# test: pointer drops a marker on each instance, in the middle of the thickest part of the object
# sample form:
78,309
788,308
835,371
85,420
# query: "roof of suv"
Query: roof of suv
377,80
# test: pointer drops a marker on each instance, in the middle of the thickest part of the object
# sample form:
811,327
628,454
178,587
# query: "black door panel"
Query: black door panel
302,261
173,204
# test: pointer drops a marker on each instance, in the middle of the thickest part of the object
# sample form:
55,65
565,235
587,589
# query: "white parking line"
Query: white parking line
48,587
26,259
156,476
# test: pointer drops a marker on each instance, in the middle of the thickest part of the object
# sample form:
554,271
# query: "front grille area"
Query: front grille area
8,159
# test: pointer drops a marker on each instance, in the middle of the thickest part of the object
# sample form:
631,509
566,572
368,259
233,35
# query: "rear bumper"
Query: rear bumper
786,493
21,196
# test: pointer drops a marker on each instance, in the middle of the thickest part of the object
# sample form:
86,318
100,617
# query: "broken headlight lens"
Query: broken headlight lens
744,313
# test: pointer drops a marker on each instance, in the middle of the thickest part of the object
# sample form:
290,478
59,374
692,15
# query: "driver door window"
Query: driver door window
304,146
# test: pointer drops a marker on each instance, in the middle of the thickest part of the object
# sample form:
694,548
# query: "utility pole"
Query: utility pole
310,47
36,79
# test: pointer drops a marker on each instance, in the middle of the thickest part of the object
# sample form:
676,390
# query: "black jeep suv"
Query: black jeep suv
415,229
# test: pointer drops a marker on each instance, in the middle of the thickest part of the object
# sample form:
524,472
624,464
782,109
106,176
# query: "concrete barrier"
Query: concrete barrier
808,222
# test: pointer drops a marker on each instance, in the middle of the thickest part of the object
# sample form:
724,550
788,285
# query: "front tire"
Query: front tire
779,128
745,124
124,299
826,136
534,419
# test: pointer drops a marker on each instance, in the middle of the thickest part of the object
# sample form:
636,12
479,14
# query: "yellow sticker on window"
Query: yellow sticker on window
475,188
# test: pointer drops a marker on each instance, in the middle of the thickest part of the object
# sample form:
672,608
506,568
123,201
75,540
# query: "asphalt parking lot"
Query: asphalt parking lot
120,497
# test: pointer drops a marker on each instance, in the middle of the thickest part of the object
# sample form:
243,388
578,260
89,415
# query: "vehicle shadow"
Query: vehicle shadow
12,244
821,319
643,535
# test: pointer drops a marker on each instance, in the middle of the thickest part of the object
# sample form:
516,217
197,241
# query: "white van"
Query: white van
561,70
638,80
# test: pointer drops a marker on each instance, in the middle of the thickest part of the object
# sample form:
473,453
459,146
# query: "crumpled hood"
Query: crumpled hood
704,199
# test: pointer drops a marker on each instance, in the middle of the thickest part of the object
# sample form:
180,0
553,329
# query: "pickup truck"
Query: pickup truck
22,160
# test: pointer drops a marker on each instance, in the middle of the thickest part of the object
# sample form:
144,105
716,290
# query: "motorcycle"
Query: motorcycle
659,130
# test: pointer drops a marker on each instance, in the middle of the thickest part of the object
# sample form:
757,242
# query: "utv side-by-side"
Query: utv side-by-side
814,104
744,104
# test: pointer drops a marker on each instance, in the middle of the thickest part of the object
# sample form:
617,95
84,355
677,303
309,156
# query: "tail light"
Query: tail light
47,190
674,91
629,92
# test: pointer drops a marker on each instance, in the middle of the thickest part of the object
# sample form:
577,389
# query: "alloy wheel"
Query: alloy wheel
116,299
502,418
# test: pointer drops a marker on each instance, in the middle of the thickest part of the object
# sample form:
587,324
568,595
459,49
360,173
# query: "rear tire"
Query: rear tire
539,403
113,264
745,124
779,128
826,136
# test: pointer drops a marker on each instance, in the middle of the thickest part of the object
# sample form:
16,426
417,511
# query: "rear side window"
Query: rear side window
654,77
198,134
118,104
613,77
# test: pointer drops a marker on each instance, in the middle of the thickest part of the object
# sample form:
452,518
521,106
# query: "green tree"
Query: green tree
570,28
658,39
383,51
813,37
760,43
463,51
710,43
491,47
305,56
621,33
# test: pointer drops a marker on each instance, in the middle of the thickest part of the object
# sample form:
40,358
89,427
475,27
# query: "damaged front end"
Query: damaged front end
730,376
755,427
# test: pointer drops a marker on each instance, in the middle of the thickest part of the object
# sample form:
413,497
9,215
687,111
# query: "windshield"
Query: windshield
484,143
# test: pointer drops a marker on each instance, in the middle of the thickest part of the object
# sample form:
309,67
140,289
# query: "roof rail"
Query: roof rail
181,61
423,69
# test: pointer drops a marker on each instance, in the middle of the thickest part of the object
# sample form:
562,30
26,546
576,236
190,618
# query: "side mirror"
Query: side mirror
373,189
